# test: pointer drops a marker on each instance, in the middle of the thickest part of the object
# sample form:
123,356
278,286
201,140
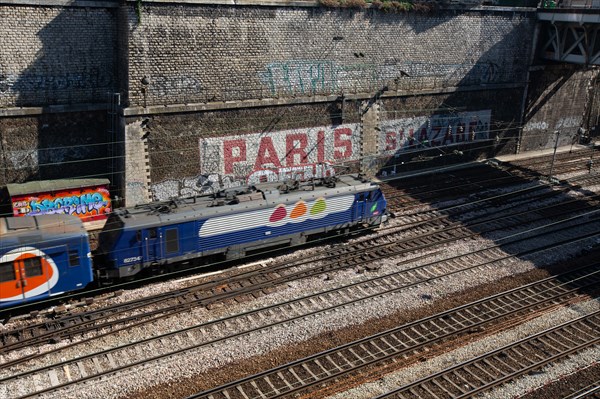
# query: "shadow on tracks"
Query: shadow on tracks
552,223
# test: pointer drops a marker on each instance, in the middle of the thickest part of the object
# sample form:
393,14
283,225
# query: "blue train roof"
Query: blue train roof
33,229
238,200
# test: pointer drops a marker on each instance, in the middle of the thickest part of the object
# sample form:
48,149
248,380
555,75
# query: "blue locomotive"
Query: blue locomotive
229,224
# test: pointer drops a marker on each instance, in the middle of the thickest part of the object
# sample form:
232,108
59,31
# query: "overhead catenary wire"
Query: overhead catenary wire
420,147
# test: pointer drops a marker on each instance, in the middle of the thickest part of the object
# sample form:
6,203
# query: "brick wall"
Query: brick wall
558,100
56,55
200,53
190,73
53,146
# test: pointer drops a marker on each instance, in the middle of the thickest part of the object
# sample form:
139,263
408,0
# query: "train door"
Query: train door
359,208
11,284
25,274
34,274
171,243
150,244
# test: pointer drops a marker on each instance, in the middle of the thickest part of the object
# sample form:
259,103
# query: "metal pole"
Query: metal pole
553,155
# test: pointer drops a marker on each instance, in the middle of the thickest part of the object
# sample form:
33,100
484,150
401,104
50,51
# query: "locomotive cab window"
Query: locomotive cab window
172,241
138,235
7,272
73,258
33,267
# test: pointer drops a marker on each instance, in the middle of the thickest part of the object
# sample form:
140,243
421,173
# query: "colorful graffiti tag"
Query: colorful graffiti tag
92,203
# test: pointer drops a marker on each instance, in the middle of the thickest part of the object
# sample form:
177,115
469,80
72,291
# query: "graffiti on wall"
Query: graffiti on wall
192,186
92,203
88,78
164,86
313,152
274,156
300,76
438,130
309,76
21,159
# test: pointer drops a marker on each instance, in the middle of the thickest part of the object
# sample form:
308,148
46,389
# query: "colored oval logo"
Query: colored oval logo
32,266
282,214
318,207
278,214
299,210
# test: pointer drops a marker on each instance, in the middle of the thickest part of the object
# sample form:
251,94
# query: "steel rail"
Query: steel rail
355,356
545,293
516,358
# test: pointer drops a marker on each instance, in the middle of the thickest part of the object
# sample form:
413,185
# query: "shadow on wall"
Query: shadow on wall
467,125
71,65
565,88
74,59
543,207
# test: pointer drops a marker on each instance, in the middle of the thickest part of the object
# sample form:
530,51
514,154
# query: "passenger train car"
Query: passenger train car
42,256
46,255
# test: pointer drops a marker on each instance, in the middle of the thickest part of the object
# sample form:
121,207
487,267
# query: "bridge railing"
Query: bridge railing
578,4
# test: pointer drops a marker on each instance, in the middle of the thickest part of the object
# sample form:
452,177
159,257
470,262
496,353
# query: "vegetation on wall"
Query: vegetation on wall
138,10
392,6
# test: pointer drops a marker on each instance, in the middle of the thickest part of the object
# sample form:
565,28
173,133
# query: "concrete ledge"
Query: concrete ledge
541,153
62,3
52,109
267,102
255,103
268,3
570,17
270,102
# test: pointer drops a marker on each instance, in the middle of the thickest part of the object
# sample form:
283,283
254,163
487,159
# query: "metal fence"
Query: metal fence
589,4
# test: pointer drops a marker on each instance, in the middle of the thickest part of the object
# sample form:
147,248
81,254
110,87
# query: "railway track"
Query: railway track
368,289
465,181
372,288
405,341
61,374
203,295
590,391
492,369
451,185
254,282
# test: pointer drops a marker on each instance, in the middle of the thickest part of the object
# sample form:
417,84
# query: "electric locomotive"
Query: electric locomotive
234,223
